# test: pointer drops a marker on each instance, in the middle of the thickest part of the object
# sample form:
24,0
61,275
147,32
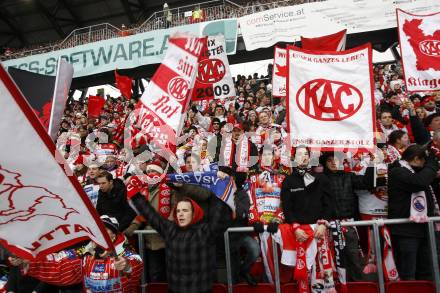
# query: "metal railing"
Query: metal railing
89,34
375,224
212,10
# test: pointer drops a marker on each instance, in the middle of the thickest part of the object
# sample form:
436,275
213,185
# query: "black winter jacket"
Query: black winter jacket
342,185
401,184
115,204
191,251
306,204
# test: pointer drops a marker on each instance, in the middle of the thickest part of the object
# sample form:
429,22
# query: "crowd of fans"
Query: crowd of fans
298,192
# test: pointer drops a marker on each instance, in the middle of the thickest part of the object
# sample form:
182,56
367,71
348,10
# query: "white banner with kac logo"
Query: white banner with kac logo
214,79
330,98
419,37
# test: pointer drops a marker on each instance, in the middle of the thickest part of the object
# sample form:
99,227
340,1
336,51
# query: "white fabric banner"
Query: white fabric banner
60,93
287,24
419,37
41,209
279,72
330,98
214,79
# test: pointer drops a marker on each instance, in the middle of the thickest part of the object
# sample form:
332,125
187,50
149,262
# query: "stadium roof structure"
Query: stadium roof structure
25,23
32,22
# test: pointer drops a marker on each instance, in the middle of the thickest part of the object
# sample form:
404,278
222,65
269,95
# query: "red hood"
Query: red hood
197,215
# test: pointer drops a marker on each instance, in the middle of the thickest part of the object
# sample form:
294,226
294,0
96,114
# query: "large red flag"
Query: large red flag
95,105
42,210
124,84
333,42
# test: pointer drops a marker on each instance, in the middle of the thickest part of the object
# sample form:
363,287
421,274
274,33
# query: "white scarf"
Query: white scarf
243,153
418,205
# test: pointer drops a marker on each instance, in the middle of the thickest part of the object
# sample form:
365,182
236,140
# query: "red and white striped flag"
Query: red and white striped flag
333,42
42,210
160,111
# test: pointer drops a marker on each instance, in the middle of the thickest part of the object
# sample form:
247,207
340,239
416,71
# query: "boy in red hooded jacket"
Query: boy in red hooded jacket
190,239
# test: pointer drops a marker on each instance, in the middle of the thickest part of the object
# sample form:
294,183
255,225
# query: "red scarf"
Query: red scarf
164,200
300,274
322,274
389,266
136,185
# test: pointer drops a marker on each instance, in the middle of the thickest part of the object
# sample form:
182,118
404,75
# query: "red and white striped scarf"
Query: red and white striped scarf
243,154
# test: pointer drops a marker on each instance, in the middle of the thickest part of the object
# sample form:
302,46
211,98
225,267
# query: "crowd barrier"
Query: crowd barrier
375,224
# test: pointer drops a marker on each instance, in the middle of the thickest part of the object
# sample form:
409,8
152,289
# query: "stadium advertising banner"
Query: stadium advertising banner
419,37
330,98
123,52
287,24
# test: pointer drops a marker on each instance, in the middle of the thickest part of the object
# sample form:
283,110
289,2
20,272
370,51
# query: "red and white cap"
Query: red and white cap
155,165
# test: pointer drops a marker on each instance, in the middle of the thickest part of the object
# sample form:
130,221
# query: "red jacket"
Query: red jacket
98,275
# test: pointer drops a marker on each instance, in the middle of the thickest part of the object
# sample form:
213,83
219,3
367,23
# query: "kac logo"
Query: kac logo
211,71
328,100
178,88
430,47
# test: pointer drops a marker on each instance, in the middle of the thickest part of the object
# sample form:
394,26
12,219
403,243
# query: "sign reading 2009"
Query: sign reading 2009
330,98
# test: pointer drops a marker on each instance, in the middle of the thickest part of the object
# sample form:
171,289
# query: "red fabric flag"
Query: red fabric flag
95,105
333,42
124,84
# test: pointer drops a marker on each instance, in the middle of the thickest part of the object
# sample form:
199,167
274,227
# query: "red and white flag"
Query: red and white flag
419,37
330,98
279,75
161,108
42,210
333,42
60,94
214,79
